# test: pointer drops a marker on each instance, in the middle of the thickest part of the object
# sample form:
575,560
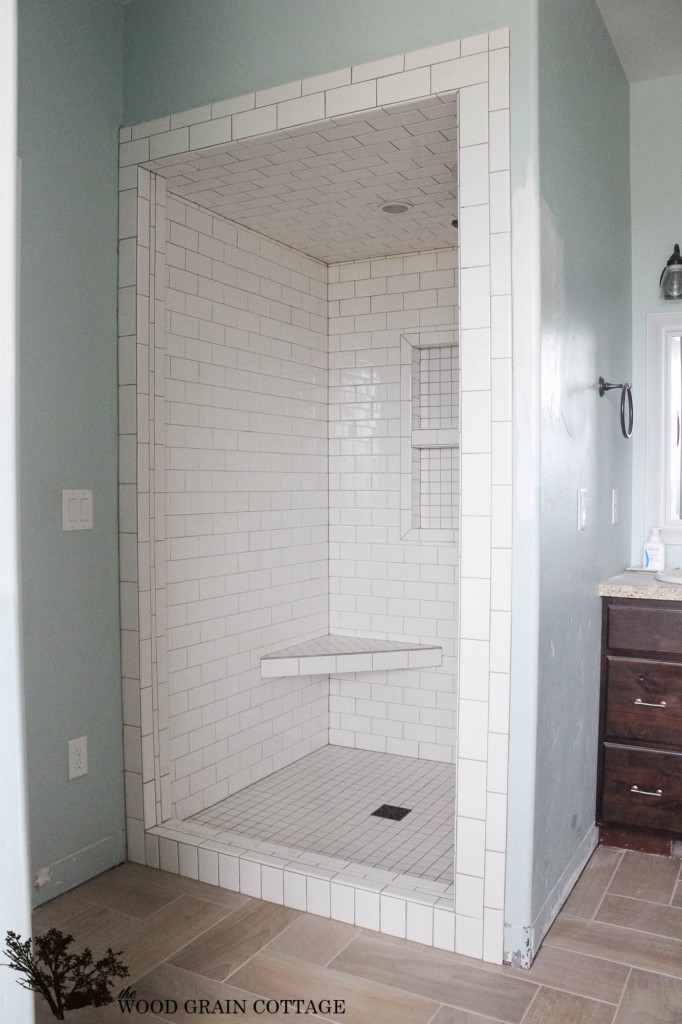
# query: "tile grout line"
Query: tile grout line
267,944
344,947
622,995
608,884
530,1005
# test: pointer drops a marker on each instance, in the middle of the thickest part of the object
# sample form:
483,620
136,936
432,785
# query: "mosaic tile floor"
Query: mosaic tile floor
324,803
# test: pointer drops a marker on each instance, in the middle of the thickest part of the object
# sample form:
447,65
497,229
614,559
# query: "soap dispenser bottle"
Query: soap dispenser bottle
654,552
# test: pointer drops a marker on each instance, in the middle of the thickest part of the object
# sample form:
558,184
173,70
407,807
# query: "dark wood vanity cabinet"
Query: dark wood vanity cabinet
640,749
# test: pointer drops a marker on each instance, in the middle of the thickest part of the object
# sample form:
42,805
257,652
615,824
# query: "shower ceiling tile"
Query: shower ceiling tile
319,187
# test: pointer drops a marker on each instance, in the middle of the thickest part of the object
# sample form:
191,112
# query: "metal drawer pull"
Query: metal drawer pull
646,704
645,792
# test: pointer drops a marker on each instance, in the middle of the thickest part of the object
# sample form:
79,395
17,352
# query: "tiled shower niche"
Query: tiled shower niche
430,464
376,574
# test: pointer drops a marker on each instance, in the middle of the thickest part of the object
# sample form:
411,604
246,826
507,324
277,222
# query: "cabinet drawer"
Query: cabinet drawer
644,700
650,771
633,627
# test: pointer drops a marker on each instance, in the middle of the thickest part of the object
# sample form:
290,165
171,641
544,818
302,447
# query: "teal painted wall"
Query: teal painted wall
585,333
69,77
656,158
180,54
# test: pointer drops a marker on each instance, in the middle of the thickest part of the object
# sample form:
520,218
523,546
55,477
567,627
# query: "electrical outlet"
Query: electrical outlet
614,506
78,757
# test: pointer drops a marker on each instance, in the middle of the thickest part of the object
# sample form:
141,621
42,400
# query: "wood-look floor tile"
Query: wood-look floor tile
99,928
642,915
651,999
504,996
553,1007
582,975
592,884
128,888
177,884
622,945
55,913
316,939
188,990
451,1015
644,876
158,937
278,976
224,948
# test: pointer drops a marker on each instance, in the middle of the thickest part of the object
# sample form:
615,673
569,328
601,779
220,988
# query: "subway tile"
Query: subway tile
476,429
444,929
498,38
498,149
330,80
470,845
465,71
254,122
473,175
432,55
475,609
475,359
278,94
468,937
299,111
475,297
471,801
188,117
474,236
475,44
499,79
393,916
169,143
349,98
378,68
473,112
469,896
406,86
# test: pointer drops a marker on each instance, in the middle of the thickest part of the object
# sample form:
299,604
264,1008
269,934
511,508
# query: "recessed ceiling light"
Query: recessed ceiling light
393,208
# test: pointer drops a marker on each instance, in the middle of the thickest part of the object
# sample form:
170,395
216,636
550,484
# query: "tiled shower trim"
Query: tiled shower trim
409,908
478,68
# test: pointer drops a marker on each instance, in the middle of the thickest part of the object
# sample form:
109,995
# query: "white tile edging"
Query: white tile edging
424,913
478,69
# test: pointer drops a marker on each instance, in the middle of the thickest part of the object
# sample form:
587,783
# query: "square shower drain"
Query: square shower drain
389,811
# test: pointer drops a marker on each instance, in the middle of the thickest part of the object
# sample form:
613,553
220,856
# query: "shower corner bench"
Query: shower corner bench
329,655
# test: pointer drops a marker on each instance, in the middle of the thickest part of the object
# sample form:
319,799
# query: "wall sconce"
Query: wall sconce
671,278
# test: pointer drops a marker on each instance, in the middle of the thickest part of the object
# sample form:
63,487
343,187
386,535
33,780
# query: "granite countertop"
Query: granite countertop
642,585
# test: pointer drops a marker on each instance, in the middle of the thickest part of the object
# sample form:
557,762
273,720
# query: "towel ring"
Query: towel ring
625,396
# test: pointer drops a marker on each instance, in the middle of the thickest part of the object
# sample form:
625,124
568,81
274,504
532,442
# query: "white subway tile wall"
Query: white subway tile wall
380,585
361,583
246,492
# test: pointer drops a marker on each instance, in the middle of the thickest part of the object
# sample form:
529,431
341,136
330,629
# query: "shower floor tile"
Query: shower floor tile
324,803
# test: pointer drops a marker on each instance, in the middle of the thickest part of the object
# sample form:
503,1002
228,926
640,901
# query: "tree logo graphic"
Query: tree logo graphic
67,981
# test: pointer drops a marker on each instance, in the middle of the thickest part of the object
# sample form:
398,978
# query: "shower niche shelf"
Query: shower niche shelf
329,655
429,454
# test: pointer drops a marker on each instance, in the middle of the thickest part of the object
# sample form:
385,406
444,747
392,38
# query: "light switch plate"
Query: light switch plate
76,510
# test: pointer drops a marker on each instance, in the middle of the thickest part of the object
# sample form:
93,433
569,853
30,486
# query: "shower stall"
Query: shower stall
315,492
